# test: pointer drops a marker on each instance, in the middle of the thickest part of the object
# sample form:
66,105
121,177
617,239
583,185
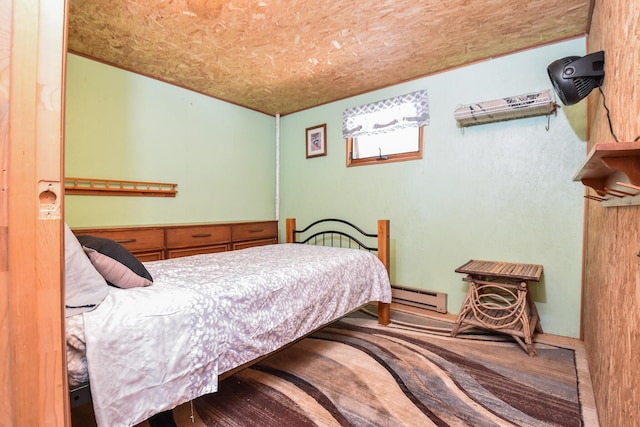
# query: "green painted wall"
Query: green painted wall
121,125
500,191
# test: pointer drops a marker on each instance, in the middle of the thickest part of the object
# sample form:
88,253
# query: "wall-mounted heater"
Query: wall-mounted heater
513,107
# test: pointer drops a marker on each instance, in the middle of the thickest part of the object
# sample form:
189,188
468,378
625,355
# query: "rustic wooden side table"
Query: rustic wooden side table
498,300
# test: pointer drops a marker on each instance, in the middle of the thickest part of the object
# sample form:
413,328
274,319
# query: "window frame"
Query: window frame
389,158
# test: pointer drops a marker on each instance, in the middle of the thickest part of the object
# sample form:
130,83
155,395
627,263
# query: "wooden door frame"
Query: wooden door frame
33,379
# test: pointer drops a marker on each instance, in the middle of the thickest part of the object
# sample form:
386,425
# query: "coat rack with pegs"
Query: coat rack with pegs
612,170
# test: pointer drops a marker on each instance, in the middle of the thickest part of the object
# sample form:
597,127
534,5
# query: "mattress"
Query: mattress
151,349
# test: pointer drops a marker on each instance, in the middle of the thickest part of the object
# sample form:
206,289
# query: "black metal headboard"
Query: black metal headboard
332,237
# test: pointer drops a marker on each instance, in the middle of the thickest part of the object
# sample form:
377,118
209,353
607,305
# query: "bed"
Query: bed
145,350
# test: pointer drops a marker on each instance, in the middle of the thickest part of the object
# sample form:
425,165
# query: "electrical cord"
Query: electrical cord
604,103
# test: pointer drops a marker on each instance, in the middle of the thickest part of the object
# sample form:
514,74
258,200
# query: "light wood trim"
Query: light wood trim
35,391
6,377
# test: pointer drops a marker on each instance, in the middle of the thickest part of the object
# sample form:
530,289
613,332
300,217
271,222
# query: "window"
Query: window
395,146
391,130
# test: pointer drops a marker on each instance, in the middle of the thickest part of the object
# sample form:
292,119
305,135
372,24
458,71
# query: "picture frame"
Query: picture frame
316,141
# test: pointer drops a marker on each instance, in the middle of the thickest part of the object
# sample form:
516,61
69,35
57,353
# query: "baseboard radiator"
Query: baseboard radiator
434,301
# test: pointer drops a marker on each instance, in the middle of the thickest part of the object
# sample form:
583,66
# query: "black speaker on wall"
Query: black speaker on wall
574,77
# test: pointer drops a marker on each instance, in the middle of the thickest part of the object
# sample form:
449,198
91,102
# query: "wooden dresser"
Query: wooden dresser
152,243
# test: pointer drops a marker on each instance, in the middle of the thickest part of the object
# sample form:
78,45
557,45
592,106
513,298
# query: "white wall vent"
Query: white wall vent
513,107
434,301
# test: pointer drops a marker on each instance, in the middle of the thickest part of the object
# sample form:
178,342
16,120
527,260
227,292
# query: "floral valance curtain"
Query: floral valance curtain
410,110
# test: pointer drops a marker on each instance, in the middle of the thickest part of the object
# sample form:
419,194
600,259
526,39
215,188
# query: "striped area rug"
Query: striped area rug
411,373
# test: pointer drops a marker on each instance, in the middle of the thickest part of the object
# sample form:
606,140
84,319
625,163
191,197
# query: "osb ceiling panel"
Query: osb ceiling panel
282,56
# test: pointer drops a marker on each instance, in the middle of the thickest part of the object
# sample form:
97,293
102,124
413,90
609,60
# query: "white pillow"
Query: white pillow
84,287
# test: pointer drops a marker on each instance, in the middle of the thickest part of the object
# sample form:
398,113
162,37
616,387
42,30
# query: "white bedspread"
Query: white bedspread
151,349
77,373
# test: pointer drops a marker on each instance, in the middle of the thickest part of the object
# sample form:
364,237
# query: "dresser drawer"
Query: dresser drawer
251,243
135,241
254,231
150,256
200,235
177,253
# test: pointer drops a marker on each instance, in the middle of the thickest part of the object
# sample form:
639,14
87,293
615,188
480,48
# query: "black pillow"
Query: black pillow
115,263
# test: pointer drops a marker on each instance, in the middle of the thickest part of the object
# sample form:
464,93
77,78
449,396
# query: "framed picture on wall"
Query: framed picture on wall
316,138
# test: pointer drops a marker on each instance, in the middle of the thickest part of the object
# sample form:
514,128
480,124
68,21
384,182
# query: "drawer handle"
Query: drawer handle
256,230
195,236
126,241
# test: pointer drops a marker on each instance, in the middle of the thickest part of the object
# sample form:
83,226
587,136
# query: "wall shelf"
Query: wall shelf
112,187
613,171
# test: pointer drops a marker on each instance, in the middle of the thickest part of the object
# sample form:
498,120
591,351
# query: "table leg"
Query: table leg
466,306
535,318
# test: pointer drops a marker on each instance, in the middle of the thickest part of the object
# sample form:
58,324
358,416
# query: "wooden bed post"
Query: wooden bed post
291,226
384,313
384,309
383,242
